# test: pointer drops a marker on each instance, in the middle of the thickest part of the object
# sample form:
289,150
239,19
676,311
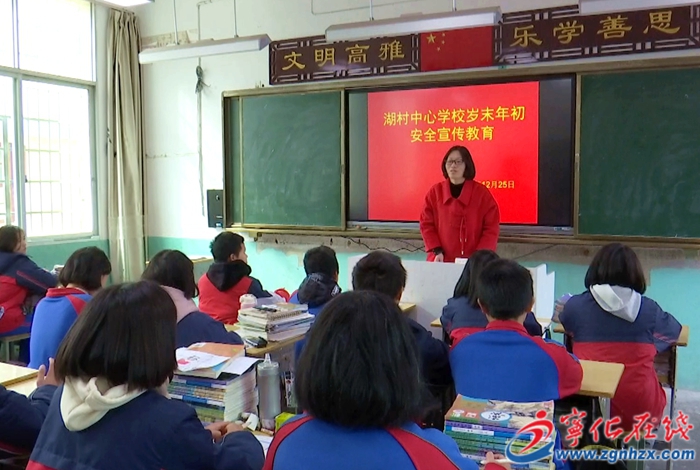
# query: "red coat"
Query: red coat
459,226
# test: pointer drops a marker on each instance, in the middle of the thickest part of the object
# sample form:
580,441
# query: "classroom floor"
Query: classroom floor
688,403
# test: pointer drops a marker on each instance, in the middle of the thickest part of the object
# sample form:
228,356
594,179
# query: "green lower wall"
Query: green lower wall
677,290
47,256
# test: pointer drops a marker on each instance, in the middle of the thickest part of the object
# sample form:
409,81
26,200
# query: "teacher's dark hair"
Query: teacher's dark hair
469,167
379,384
616,265
466,286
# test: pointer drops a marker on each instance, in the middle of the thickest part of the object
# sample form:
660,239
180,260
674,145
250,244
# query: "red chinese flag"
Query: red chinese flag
457,49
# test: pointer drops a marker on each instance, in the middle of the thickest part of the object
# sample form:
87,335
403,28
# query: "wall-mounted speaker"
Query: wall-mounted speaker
215,207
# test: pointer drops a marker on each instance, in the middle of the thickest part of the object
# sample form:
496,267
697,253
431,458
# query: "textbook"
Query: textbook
207,359
216,400
482,426
276,322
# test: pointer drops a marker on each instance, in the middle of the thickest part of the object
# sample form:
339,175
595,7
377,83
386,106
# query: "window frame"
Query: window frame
19,76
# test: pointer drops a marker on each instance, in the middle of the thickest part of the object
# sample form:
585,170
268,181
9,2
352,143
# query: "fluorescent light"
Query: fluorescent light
413,25
205,48
592,7
123,3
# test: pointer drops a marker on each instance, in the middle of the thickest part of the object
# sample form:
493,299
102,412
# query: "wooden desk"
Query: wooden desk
406,307
272,347
24,388
11,374
600,379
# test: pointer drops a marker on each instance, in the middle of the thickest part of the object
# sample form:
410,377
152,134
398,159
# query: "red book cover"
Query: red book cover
457,49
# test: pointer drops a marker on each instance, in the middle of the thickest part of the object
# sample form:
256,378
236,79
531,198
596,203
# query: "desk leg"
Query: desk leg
604,408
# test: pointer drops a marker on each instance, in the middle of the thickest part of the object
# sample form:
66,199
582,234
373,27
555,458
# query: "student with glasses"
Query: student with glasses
460,216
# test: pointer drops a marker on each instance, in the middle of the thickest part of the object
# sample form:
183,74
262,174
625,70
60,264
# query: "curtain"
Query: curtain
125,149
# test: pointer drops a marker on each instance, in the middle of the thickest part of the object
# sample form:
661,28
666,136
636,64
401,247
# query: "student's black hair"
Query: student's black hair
321,260
10,236
469,167
126,335
466,286
226,244
617,265
378,384
174,269
505,289
85,268
380,271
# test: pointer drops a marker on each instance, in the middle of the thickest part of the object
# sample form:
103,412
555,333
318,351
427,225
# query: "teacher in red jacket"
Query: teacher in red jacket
460,216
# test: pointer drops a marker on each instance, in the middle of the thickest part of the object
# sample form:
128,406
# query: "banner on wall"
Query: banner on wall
313,59
562,34
522,37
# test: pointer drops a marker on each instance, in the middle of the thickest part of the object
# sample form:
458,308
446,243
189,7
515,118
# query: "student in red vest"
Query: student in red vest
21,280
221,288
361,408
86,271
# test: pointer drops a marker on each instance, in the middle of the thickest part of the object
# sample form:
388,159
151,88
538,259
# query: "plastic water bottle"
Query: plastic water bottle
248,301
269,392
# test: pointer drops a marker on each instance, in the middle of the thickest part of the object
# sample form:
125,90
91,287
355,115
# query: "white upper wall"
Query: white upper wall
174,203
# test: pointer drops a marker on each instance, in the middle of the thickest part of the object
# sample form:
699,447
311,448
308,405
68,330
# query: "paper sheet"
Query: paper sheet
265,441
188,360
240,365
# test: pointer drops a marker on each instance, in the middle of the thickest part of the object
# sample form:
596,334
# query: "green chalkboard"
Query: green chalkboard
290,151
640,154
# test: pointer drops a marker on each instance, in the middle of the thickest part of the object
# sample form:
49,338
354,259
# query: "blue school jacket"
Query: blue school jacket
299,347
616,324
150,432
53,317
505,363
307,443
460,319
198,327
21,419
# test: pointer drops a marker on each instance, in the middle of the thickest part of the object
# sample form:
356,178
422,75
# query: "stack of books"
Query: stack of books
482,426
216,380
277,322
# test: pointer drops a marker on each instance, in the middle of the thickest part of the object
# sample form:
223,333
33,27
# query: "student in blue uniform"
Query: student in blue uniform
462,315
86,271
174,271
361,406
113,412
381,271
320,285
21,417
504,362
613,321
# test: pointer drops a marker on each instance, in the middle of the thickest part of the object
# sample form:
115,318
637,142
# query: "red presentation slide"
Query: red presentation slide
411,130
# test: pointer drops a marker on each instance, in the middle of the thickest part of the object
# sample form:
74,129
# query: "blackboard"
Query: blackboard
289,171
640,154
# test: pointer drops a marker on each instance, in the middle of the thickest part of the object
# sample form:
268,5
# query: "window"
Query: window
57,159
46,124
8,205
6,34
55,37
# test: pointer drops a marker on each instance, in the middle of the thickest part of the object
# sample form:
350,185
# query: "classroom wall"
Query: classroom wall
176,217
